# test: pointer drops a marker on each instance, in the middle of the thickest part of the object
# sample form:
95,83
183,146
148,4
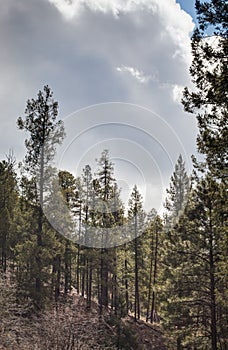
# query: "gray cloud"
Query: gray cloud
78,52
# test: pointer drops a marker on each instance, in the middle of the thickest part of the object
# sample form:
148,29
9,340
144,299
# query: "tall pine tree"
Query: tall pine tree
45,133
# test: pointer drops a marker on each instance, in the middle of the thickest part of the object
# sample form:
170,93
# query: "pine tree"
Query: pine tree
8,202
171,279
209,101
45,133
204,230
177,193
105,183
67,184
209,75
152,242
87,271
193,311
136,217
118,216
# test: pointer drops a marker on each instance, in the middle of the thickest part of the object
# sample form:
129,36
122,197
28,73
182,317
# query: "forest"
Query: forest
167,278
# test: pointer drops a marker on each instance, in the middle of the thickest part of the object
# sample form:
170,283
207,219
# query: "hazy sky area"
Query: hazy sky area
129,60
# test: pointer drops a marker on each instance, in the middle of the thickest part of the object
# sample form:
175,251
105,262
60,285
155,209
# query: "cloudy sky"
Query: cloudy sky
117,68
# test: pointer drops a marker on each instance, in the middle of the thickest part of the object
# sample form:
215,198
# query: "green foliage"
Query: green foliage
136,218
177,194
209,75
173,270
8,201
45,133
205,220
192,280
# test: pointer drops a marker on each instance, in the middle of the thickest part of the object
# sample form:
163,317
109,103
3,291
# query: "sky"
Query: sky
117,69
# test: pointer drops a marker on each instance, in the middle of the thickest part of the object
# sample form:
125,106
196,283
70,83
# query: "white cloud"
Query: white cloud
178,23
68,8
137,74
91,52
72,8
177,92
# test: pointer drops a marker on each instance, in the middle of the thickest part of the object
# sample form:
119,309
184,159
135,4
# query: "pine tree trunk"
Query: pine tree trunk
152,316
39,232
104,277
87,280
99,287
115,282
83,269
179,347
126,279
150,281
212,291
67,273
38,260
114,304
4,265
137,304
58,279
90,282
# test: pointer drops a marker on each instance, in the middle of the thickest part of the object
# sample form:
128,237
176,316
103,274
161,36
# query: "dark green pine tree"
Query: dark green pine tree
197,280
76,207
117,209
23,238
67,184
8,202
87,253
194,283
207,236
177,193
152,242
171,278
104,191
87,191
209,72
136,221
45,133
209,102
